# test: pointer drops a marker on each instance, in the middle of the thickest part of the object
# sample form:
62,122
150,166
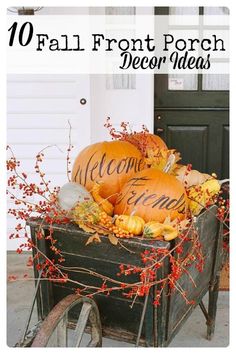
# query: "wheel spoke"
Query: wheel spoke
62,331
81,324
53,330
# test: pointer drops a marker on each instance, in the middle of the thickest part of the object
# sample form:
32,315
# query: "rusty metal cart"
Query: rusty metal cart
59,308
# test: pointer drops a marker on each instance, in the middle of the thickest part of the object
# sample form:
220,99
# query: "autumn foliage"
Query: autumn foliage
40,200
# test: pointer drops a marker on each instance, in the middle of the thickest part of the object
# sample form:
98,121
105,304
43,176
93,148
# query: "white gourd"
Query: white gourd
71,193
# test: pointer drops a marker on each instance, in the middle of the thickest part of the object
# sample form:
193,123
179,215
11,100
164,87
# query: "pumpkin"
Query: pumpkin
103,203
153,195
145,141
113,163
72,193
132,224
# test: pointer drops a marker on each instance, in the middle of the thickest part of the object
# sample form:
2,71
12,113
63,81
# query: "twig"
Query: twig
68,154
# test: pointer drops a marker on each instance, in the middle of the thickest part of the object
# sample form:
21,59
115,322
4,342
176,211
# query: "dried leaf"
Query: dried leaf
167,221
156,158
159,159
183,224
180,225
86,228
113,239
101,230
94,238
177,156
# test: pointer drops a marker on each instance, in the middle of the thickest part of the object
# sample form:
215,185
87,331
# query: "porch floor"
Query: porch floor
192,334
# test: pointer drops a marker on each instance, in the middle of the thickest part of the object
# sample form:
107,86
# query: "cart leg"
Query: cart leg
214,284
212,306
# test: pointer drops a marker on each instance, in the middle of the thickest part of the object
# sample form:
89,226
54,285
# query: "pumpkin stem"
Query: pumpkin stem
170,163
223,181
133,212
104,203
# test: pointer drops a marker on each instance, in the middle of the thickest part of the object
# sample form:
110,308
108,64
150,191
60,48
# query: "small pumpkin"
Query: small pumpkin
102,202
132,224
112,162
145,141
153,195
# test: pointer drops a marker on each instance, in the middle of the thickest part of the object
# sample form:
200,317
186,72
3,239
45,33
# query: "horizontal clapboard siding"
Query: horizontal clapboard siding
41,135
56,121
41,105
36,89
39,108
57,151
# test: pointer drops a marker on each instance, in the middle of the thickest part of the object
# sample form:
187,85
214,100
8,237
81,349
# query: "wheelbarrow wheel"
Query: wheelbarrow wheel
55,326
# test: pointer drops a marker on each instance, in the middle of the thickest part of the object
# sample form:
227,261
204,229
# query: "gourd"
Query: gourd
153,195
113,163
87,212
200,196
153,229
169,233
132,224
103,203
72,193
159,231
145,141
190,178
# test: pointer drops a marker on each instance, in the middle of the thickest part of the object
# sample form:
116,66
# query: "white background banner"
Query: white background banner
92,44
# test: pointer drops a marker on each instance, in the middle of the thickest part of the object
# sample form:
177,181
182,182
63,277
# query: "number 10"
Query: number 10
23,41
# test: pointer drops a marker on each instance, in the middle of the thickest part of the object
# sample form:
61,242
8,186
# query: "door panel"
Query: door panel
186,138
192,111
200,136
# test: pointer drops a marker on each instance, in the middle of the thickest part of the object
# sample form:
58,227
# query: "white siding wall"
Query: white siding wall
133,105
39,108
121,97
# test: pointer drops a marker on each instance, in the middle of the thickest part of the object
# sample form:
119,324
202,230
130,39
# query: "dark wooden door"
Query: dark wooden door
192,115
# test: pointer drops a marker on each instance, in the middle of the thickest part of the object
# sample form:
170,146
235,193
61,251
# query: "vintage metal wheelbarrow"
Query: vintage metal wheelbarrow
60,310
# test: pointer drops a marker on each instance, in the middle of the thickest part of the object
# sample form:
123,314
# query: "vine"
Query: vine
40,201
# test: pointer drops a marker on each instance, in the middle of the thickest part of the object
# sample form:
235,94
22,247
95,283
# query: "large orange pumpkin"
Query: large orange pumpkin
144,141
152,195
111,163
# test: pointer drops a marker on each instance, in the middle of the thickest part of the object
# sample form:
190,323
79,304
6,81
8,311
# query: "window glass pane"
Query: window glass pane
219,45
220,17
176,12
216,11
120,82
216,82
111,10
183,10
178,82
